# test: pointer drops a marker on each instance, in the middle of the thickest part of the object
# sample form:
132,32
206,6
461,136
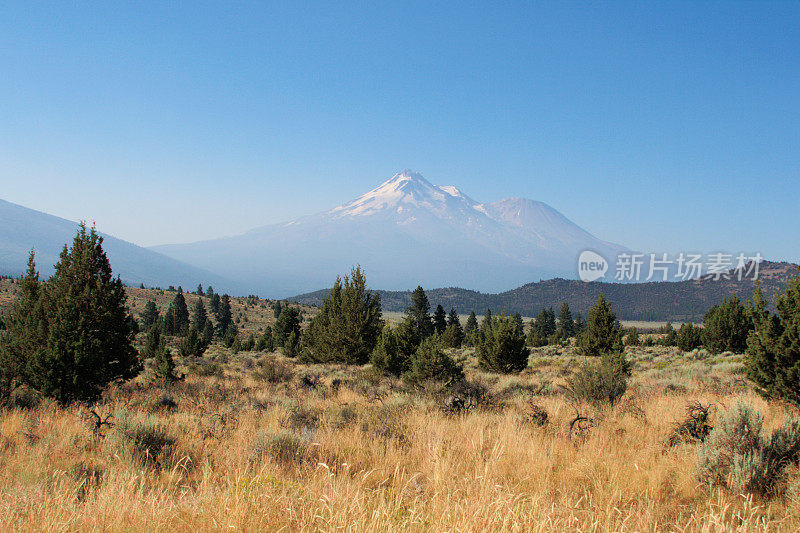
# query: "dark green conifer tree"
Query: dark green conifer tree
772,359
727,326
26,331
566,325
439,320
288,323
602,333
86,323
223,315
347,327
149,315
199,315
502,346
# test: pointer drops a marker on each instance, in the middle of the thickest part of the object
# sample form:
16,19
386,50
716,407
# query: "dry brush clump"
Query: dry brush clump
239,452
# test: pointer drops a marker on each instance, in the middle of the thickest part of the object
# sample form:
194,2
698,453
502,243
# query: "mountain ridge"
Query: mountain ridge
676,301
404,231
26,228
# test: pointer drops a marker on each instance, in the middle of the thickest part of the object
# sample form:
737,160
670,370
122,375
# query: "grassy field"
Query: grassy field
256,442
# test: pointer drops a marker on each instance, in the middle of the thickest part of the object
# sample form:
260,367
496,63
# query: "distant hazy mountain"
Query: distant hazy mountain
22,229
405,232
681,301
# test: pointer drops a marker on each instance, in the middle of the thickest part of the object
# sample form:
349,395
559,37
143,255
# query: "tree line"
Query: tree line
69,337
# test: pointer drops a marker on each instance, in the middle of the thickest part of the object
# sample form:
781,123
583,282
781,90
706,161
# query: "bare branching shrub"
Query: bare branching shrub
273,370
737,453
534,415
387,422
695,427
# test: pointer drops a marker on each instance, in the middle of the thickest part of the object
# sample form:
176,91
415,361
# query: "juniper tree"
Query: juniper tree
602,333
431,363
163,364
288,323
26,330
192,344
348,324
501,347
519,323
152,341
772,359
82,338
727,326
387,355
689,337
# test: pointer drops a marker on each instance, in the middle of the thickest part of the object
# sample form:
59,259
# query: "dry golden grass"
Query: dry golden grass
352,453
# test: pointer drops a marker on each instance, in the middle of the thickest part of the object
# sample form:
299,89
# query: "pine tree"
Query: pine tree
453,335
199,315
519,323
439,320
347,327
179,315
566,326
149,315
89,341
213,302
502,346
210,291
223,315
772,359
417,314
472,324
602,333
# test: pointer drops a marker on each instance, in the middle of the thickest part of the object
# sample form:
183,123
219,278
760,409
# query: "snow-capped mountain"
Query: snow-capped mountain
405,232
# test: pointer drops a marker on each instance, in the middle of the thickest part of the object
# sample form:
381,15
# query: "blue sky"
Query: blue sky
660,126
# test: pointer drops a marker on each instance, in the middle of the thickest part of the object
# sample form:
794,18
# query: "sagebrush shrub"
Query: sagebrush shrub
142,438
737,454
285,447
